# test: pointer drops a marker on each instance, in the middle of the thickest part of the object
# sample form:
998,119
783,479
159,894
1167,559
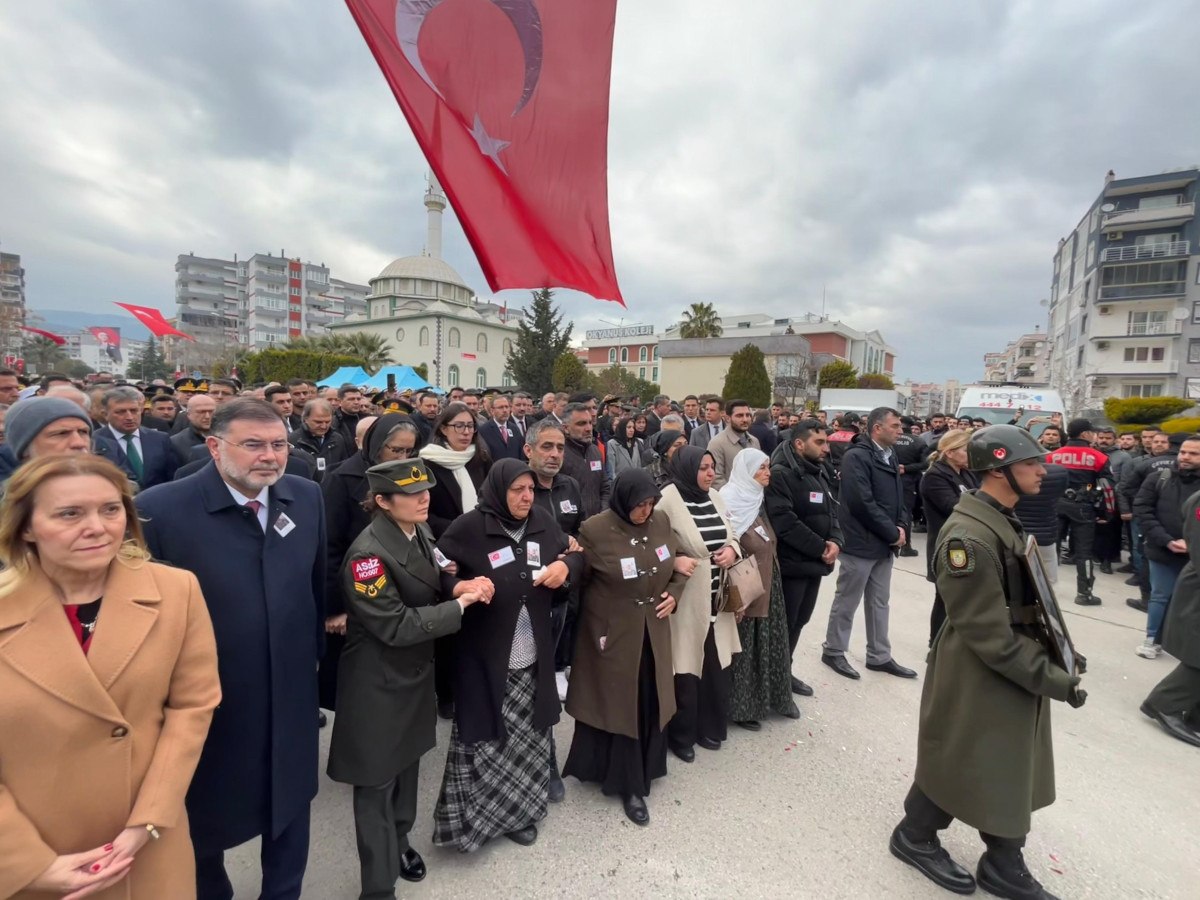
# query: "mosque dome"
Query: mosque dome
428,267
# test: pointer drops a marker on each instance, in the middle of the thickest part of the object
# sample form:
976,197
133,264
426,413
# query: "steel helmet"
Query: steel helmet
997,446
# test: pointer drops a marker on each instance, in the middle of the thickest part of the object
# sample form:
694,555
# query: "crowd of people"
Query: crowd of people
195,574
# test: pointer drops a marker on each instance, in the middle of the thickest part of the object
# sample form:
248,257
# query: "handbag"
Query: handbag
741,585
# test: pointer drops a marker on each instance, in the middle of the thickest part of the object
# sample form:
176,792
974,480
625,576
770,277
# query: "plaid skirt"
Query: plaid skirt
494,787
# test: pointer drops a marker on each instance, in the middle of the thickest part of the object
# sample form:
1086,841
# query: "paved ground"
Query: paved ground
804,809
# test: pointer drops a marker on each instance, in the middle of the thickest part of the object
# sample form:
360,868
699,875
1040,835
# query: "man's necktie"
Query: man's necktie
135,458
254,506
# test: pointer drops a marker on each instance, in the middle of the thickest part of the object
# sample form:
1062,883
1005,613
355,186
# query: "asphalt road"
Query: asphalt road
804,808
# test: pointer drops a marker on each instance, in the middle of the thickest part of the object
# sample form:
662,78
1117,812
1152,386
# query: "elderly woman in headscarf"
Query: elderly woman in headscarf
762,672
703,638
621,693
393,436
498,766
663,445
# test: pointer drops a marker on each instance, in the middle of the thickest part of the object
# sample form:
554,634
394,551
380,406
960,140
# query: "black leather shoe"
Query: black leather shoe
1133,580
1087,600
799,687
412,867
445,710
635,809
556,790
322,721
687,754
839,665
708,743
931,860
1105,568
793,712
524,836
1067,560
1175,725
1126,569
1137,603
909,551
750,724
1009,878
892,668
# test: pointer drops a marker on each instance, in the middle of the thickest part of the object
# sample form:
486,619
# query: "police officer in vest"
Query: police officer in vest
984,752
1084,502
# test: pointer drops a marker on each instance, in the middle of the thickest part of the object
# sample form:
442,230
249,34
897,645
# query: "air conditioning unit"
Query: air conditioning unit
1102,345
1114,235
1099,380
1104,310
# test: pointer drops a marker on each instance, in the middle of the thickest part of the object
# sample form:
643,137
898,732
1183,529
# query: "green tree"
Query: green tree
837,374
621,381
747,378
372,349
876,381
541,339
569,373
78,369
43,355
422,370
1144,410
148,363
284,363
700,320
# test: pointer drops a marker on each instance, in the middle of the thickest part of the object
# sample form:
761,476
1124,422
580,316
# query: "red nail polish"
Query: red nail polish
108,848
96,867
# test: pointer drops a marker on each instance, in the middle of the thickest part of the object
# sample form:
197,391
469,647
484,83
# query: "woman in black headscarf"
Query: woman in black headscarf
663,445
498,766
703,640
393,436
621,693
624,450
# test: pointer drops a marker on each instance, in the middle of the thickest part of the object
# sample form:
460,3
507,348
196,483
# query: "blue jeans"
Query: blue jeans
1162,585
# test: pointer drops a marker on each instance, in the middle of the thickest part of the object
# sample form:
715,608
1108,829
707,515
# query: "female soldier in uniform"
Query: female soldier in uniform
984,752
385,715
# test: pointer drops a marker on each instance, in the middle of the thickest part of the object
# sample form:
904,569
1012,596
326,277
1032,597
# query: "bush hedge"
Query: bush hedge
280,365
1131,410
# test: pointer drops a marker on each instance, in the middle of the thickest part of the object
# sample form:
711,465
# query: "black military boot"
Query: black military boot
1003,873
1083,588
926,854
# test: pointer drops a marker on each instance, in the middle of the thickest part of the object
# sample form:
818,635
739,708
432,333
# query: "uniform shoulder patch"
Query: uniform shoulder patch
367,569
960,558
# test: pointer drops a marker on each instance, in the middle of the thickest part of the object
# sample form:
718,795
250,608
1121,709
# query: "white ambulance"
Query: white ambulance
999,403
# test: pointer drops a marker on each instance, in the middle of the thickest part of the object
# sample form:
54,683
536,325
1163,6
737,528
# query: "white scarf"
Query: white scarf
743,495
456,461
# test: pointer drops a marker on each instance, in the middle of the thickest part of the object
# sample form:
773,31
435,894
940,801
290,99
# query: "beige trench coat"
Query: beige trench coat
689,626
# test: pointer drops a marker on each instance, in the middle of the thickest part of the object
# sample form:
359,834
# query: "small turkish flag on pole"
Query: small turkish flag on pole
508,100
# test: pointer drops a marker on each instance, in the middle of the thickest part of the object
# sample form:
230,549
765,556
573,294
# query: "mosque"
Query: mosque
428,314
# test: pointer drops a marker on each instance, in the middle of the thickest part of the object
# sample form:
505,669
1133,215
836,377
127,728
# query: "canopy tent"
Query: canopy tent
406,379
345,375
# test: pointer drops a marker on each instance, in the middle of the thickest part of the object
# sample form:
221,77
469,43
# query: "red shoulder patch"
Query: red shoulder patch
368,569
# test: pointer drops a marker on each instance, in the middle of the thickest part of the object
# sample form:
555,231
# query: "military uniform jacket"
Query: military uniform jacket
984,751
1181,629
386,714
604,680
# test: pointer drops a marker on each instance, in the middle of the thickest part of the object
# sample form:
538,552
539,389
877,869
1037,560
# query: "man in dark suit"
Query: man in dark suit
199,417
162,413
255,538
659,408
145,455
522,413
691,415
498,432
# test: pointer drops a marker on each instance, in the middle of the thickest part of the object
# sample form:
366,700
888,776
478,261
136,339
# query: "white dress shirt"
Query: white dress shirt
262,498
137,442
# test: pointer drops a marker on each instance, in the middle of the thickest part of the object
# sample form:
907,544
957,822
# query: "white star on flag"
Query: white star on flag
489,146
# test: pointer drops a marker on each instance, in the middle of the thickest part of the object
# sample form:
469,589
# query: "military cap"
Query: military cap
190,385
400,476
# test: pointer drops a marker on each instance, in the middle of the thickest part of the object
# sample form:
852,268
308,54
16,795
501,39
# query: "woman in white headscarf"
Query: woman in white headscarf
762,671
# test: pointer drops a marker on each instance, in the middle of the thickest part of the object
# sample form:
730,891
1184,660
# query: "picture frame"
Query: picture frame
1062,649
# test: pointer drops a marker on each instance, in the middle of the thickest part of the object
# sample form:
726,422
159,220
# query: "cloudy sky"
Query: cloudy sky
918,162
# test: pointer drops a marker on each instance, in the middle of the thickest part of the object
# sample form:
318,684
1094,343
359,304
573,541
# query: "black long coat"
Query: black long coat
1181,628
445,497
485,641
941,487
265,593
386,715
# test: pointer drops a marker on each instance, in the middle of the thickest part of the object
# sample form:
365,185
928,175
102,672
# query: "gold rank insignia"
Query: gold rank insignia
371,590
958,558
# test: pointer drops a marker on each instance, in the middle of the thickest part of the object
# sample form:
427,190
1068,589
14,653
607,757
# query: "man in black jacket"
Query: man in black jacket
1083,503
803,514
875,524
1158,508
912,456
1038,514
582,460
317,437
1159,454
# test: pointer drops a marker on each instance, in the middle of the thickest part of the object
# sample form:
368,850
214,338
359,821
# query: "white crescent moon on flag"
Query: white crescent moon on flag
525,19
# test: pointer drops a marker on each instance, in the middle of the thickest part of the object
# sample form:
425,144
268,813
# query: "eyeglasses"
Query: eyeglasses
399,451
253,446
463,427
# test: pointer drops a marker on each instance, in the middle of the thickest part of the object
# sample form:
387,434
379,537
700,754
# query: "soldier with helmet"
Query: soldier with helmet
984,752
1083,503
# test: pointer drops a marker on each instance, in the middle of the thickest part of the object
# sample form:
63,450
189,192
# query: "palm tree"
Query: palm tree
700,321
43,355
372,349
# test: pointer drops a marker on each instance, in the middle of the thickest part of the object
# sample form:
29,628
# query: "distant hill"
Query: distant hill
72,320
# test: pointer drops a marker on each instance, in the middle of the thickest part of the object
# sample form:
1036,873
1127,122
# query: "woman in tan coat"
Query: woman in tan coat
108,681
621,693
703,641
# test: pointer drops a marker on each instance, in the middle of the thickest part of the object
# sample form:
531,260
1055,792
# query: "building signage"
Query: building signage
607,334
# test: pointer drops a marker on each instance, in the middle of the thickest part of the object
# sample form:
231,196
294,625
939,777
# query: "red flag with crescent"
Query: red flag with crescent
153,320
508,100
42,332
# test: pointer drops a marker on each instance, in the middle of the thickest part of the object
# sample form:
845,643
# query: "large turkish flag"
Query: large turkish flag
509,102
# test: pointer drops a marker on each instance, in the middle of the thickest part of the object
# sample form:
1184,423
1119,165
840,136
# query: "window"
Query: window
1162,201
423,336
1142,354
481,343
1141,390
1148,279
453,338
452,375
1147,322
480,378
294,291
507,347
1191,389
654,374
400,335
612,351
655,351
642,354
624,354
1193,353
506,378
642,373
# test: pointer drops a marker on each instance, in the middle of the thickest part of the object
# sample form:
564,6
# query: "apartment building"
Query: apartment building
1024,361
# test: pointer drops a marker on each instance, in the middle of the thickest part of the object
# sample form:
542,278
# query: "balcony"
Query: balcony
1151,217
1143,329
1142,291
1121,368
1135,252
